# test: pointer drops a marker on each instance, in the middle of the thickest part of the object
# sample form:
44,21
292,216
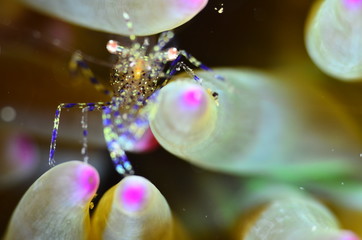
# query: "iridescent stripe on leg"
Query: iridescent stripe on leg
117,154
53,142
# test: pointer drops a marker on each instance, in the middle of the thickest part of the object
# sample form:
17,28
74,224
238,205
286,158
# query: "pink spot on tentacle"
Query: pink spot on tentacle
190,103
147,142
193,97
134,194
88,181
23,150
353,4
349,236
193,4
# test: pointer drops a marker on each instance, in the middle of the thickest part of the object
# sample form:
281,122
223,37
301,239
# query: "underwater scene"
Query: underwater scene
181,119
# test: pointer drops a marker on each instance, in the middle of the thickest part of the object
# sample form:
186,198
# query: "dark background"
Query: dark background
34,80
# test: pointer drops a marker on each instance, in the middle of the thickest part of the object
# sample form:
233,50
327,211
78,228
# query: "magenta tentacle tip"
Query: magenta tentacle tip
88,181
348,235
23,150
147,143
134,194
353,4
193,4
193,97
192,100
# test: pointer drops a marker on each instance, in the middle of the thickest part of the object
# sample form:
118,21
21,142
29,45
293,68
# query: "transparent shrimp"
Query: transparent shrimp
137,75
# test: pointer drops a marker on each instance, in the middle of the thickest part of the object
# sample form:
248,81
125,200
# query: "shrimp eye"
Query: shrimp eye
172,54
113,47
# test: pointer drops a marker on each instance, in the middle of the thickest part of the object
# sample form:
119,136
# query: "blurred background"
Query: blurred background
35,50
